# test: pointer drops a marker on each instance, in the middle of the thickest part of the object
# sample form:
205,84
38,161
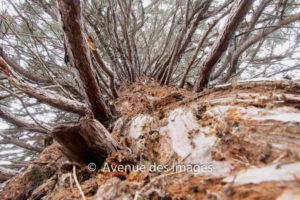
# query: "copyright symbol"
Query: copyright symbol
92,166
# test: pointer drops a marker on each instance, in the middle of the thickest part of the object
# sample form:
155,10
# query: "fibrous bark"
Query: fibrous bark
78,56
85,142
103,66
22,186
243,131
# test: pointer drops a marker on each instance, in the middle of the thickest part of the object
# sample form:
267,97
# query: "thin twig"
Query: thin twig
25,107
77,183
43,64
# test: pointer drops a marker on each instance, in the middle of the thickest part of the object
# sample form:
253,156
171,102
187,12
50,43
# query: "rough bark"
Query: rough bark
247,131
236,16
243,130
24,185
79,58
85,142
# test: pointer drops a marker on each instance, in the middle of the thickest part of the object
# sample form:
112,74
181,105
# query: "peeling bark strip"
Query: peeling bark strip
79,57
88,141
236,16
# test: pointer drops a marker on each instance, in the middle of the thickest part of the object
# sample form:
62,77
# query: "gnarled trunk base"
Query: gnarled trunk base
86,142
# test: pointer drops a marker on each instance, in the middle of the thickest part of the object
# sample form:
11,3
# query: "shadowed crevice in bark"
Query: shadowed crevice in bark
85,142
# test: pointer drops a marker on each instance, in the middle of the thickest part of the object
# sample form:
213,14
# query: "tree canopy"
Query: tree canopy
61,60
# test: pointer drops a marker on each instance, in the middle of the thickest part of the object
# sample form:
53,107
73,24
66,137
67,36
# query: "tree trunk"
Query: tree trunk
236,141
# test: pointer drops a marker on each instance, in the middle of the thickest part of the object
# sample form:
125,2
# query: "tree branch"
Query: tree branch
33,77
44,96
9,140
79,57
6,174
252,41
88,141
103,66
201,41
17,121
236,16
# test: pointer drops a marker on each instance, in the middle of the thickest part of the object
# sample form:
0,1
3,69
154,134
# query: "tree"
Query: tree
65,63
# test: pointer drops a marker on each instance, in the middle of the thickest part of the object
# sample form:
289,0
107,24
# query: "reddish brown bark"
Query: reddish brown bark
42,95
236,16
79,57
43,168
86,142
